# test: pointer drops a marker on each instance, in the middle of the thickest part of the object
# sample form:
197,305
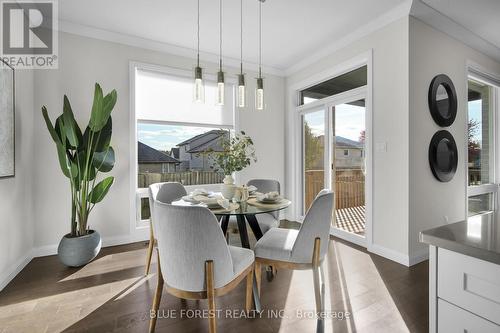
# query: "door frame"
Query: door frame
295,157
351,96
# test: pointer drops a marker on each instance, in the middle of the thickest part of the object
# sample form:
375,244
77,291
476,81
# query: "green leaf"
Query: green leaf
64,160
101,139
104,161
50,127
97,120
71,128
91,172
109,102
100,190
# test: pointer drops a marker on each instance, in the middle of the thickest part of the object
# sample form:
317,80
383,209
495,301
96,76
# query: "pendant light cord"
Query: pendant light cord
198,35
241,37
220,35
260,38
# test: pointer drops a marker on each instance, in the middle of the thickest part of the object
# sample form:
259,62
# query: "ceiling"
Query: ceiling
292,29
482,17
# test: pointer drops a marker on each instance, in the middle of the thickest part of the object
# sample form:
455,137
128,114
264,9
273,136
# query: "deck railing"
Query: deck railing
185,178
349,187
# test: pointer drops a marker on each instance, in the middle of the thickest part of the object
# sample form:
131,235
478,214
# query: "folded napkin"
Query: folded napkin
251,189
199,191
224,203
268,196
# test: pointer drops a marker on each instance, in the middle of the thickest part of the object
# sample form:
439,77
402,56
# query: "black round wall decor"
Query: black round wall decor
443,156
442,100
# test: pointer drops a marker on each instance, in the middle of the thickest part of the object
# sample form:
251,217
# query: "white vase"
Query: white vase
228,189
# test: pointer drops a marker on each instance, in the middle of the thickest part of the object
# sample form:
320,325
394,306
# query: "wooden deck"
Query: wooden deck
351,219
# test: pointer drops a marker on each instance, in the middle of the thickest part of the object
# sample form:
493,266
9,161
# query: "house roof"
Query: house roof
342,142
213,145
147,154
200,136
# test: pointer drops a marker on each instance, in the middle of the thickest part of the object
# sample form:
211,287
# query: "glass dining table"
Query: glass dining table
246,211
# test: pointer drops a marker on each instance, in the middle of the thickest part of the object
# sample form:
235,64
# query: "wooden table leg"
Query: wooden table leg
243,231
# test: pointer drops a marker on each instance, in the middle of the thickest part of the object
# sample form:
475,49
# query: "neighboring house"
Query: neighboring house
154,161
193,153
349,153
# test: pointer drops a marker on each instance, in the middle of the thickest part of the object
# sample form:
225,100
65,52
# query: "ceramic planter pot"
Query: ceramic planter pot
228,189
79,251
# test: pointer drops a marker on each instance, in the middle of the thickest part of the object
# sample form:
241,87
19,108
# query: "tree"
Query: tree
313,148
472,129
362,136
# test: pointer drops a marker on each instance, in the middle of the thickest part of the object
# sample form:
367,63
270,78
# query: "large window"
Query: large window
176,138
481,147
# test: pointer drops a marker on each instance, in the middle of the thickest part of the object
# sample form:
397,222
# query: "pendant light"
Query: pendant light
219,100
259,91
199,89
241,76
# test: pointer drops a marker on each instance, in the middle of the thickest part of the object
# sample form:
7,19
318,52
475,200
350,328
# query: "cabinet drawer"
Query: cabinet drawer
469,283
453,319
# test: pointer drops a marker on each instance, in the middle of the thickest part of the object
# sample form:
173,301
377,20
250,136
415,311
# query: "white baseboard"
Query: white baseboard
7,275
49,250
419,256
390,254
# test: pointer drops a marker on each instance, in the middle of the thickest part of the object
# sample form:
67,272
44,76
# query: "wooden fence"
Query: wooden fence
185,178
349,187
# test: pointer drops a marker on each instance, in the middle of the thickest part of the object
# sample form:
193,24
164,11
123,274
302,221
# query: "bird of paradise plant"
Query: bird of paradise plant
82,157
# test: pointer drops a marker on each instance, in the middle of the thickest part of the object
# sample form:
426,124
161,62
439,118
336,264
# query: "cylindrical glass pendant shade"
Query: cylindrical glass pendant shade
259,95
241,91
219,100
198,89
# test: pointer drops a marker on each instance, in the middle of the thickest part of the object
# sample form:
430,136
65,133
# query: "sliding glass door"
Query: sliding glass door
334,152
348,153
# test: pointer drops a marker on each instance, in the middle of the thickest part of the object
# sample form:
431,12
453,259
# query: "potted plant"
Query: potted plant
237,153
82,157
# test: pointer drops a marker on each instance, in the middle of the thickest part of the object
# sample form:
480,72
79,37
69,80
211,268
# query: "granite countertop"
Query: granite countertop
477,237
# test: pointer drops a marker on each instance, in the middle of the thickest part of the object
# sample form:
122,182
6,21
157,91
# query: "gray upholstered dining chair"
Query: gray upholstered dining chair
194,261
301,249
266,220
166,193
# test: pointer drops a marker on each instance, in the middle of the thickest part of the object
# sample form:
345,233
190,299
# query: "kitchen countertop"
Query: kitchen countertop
477,237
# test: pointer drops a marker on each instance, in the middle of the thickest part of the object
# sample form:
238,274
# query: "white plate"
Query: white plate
273,201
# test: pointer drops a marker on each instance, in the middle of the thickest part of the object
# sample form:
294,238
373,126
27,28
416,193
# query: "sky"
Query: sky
165,137
475,113
349,121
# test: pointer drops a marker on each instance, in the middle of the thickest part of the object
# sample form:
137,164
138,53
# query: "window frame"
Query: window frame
139,228
477,73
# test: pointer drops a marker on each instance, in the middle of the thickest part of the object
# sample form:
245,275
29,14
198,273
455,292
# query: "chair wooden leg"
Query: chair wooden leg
209,276
317,285
156,300
258,275
150,248
249,295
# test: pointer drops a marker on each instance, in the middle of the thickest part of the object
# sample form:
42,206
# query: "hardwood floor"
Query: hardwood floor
112,295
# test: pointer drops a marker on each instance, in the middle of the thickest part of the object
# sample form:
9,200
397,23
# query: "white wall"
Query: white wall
84,61
16,218
390,126
431,53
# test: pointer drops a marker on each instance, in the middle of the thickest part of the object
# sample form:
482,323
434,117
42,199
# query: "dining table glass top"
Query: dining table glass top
250,207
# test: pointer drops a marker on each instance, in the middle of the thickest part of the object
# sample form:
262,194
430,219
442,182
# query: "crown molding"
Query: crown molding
394,14
439,21
148,44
